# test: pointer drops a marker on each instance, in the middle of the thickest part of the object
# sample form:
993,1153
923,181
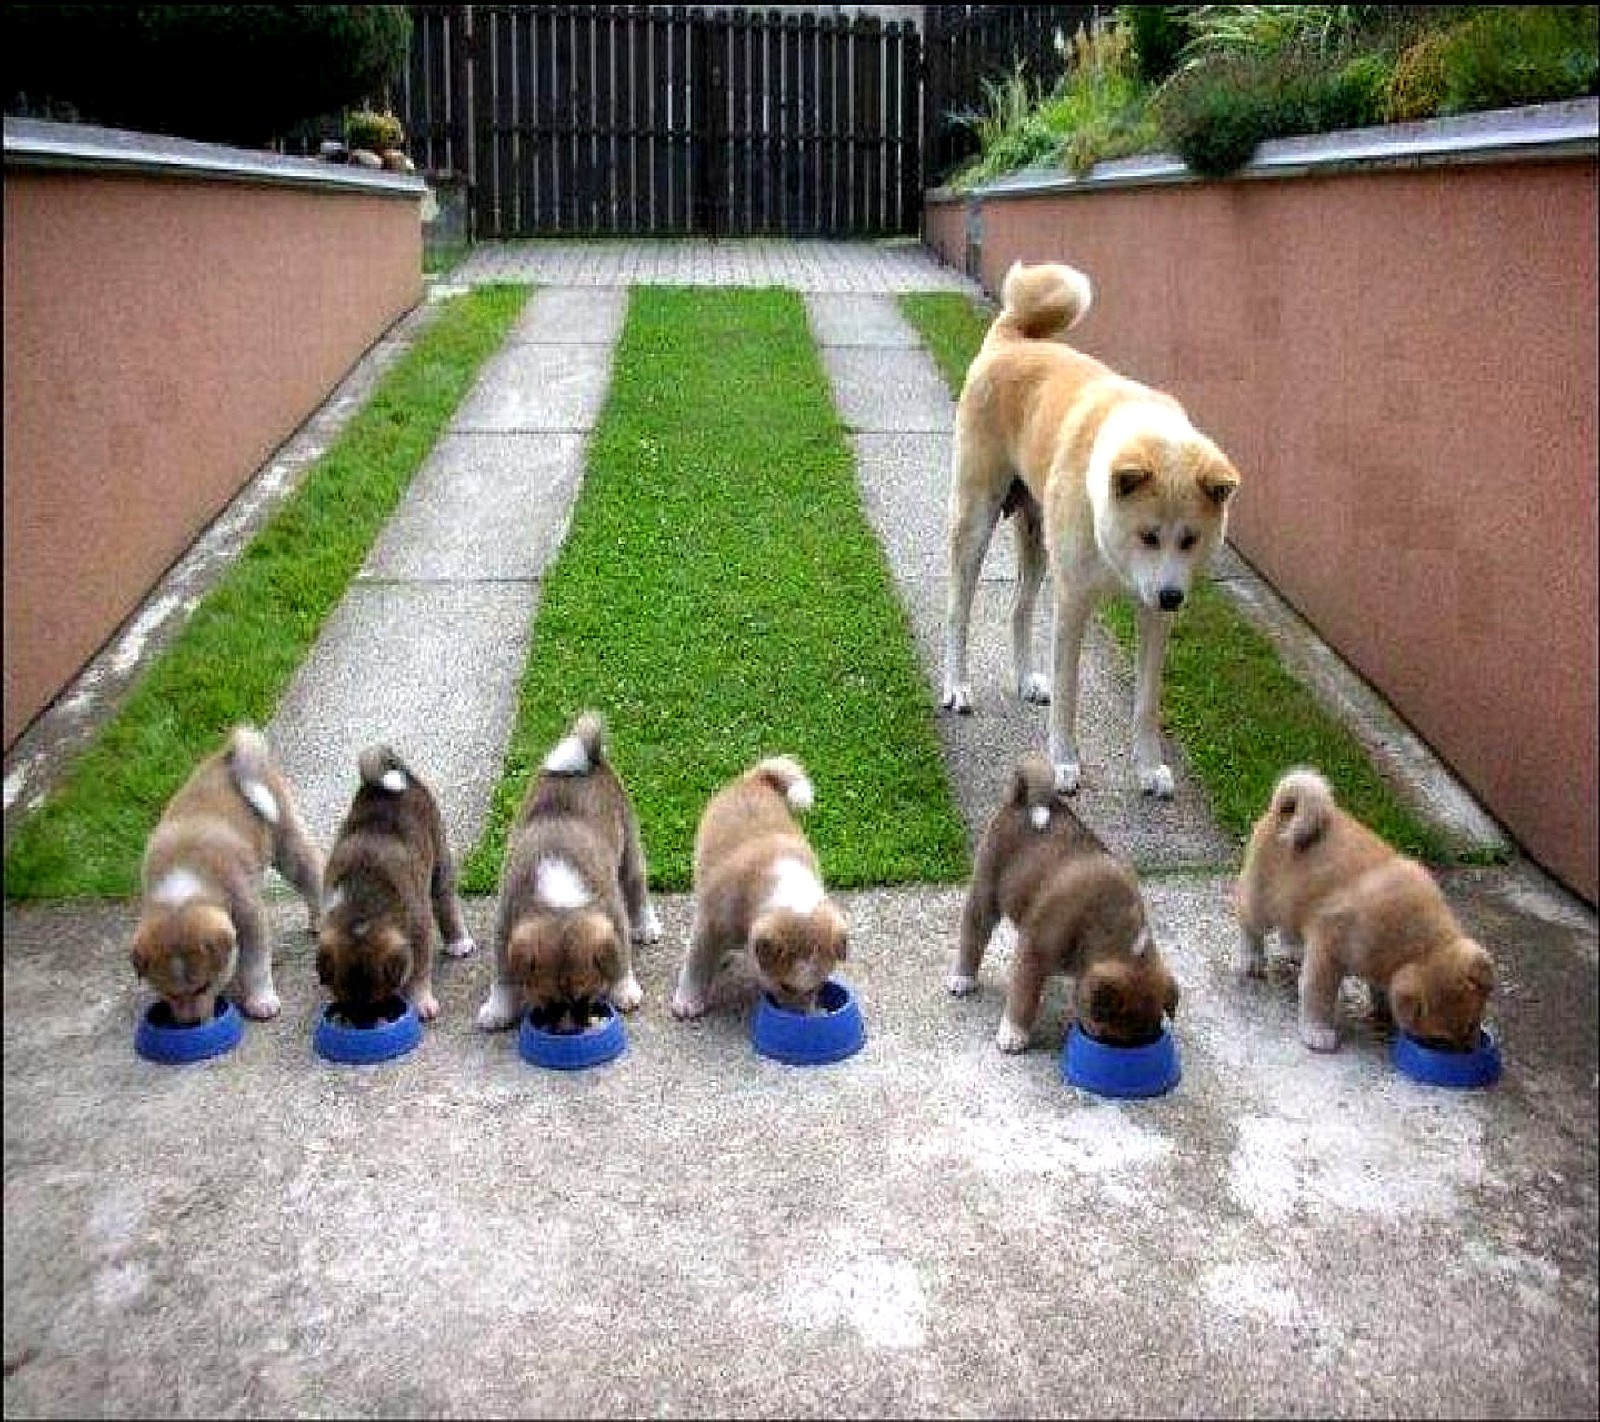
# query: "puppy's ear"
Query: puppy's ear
141,954
1129,480
1476,967
1105,998
1408,996
1219,482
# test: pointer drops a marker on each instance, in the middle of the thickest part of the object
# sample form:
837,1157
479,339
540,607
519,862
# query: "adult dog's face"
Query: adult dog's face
1441,999
795,952
1123,1000
362,961
1164,507
565,962
186,955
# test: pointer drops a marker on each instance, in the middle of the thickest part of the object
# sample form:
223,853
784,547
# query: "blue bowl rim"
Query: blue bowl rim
1435,1066
1159,1057
572,1051
365,1046
174,1045
838,1032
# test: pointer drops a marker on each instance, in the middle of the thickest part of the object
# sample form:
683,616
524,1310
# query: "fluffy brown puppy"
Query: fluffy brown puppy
573,893
202,922
1077,910
1347,904
1107,480
758,889
390,879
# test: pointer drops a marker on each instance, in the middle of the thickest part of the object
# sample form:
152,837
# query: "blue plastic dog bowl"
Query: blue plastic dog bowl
373,1035
1440,1066
158,1038
836,1030
1109,1069
572,1051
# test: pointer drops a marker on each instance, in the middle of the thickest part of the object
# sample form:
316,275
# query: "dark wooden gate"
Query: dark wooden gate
654,120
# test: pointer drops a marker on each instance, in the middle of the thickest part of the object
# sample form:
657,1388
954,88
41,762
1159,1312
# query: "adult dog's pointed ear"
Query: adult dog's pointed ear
1219,481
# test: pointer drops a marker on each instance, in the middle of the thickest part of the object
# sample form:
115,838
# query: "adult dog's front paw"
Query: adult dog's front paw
686,1006
1157,781
262,1006
627,994
961,985
1010,1037
648,928
1069,775
427,1006
1319,1036
1035,689
461,947
499,1010
957,697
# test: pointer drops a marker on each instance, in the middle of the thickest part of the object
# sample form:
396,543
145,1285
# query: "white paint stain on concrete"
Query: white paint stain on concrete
1252,1291
852,1281
131,645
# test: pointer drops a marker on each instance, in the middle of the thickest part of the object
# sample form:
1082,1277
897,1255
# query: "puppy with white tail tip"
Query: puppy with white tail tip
758,890
1348,905
1077,910
203,922
573,895
390,881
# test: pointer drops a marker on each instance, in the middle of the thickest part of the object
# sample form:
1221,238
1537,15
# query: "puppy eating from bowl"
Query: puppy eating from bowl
203,922
758,891
1347,905
1077,911
573,895
390,881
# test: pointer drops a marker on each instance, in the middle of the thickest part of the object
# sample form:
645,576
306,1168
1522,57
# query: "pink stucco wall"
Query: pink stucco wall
1403,365
163,335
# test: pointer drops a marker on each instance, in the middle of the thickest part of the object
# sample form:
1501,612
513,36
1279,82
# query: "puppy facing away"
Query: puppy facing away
758,889
1077,910
202,923
1347,904
1105,478
573,894
390,879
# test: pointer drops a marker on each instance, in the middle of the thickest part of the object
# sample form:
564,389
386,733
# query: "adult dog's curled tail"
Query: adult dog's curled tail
1040,303
382,769
581,749
1302,804
1033,788
248,761
788,777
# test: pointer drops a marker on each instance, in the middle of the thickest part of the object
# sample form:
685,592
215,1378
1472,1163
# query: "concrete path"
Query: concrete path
931,1228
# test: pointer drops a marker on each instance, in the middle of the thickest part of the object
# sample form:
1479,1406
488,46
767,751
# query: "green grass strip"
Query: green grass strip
1240,715
720,597
235,656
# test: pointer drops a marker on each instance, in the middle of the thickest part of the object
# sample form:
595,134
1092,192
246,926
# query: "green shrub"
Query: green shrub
1520,54
240,74
1418,86
376,132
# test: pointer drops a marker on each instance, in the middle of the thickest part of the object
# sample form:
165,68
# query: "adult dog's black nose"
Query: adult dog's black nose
1171,599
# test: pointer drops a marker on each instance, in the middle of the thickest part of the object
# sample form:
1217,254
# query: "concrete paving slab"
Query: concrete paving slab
537,387
483,506
879,389
850,320
431,668
931,1228
571,316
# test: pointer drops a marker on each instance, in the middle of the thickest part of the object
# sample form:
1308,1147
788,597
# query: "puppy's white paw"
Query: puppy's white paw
1010,1037
499,1010
648,929
627,994
1069,775
1035,689
1158,782
957,697
961,985
1319,1036
461,947
686,1006
263,1006
427,1006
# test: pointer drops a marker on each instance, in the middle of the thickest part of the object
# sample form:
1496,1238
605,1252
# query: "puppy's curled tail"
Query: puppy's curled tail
1302,805
382,769
1033,788
788,777
581,749
1042,303
248,762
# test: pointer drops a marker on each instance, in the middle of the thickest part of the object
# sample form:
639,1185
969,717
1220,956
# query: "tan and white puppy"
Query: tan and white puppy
1077,910
1105,477
390,879
758,890
202,924
1347,905
573,892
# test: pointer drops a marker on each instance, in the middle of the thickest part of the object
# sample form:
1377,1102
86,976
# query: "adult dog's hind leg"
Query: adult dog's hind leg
974,510
1029,519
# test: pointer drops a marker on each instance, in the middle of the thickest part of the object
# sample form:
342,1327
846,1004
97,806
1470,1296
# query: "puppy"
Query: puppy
203,922
573,892
1077,910
1347,904
758,889
1105,477
389,880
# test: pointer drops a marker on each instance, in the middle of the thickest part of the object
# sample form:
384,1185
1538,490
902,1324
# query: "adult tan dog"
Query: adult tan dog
389,882
1077,911
1105,477
203,920
1348,905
